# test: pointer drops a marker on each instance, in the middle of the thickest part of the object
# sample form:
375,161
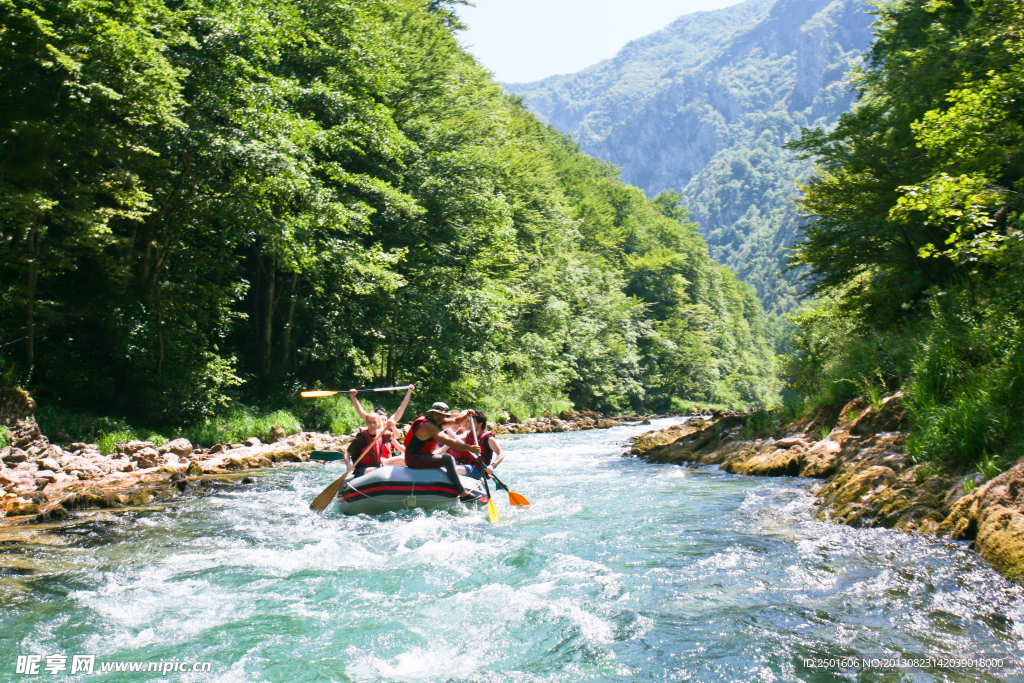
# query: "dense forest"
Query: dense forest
208,205
912,245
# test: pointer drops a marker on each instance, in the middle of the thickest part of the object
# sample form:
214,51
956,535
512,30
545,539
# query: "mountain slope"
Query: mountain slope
703,107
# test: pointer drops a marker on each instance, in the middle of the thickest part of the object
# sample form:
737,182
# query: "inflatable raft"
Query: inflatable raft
389,489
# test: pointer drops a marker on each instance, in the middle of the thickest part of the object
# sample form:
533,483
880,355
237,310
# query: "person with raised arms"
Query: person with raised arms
382,449
397,417
423,437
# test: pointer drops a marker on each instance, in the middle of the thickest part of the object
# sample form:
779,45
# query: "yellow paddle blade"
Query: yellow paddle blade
492,513
516,499
317,394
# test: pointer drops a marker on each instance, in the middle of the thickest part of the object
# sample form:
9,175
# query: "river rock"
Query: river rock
12,455
993,516
253,442
179,447
146,457
50,464
132,447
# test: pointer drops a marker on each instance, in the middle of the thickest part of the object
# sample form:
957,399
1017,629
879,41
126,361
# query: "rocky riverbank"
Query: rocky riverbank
868,478
567,421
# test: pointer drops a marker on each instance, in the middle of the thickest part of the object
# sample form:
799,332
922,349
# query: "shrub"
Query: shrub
108,441
240,424
5,439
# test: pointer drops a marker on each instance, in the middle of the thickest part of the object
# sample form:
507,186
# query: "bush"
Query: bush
79,426
108,442
4,437
966,399
241,424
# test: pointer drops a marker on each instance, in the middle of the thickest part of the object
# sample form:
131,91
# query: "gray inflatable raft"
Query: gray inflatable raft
388,489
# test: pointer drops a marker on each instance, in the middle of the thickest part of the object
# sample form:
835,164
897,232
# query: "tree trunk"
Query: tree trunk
30,296
286,331
267,316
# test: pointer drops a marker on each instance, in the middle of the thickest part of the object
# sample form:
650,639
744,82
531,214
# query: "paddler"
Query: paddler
425,433
472,465
397,417
380,453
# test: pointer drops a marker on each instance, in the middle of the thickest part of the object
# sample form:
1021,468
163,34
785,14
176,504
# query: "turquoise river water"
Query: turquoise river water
620,571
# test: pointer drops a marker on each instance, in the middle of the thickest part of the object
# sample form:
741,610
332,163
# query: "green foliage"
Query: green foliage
80,426
913,241
108,441
965,396
991,467
240,424
758,422
5,439
335,414
928,470
272,195
824,432
968,486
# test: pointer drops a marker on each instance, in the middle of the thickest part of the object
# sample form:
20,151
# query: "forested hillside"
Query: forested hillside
704,106
913,245
213,204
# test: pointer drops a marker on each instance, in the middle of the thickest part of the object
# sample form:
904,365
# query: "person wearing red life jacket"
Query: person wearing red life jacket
381,411
423,437
472,465
380,454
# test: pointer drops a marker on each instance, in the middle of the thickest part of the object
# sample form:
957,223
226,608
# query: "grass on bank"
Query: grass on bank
5,439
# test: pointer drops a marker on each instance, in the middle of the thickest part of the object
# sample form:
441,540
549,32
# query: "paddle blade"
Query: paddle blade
328,494
317,394
516,499
492,513
327,456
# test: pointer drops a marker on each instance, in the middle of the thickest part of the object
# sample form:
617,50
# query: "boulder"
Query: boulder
50,464
146,457
13,456
253,442
217,449
179,447
132,447
993,516
277,433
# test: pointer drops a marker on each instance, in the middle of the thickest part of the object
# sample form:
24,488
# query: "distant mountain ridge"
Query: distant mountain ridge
703,106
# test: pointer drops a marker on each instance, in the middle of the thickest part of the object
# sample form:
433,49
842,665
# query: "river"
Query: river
620,571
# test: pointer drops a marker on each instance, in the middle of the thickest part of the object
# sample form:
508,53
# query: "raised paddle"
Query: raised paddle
328,494
324,394
492,511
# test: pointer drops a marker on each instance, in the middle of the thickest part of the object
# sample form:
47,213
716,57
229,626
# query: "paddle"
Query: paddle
324,394
492,511
513,497
328,494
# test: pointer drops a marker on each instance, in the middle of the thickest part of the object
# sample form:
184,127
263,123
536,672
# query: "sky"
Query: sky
526,40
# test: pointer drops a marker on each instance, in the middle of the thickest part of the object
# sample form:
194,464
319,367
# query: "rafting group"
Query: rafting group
457,443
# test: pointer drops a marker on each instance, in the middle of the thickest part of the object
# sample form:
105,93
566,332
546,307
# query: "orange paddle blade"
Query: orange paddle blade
317,394
516,499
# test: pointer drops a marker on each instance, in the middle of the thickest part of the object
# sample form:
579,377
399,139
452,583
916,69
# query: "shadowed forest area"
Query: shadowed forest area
207,206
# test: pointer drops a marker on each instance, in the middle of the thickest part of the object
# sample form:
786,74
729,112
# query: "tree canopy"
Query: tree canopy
206,202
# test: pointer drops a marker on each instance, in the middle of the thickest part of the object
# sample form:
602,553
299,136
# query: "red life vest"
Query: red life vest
428,447
377,453
468,458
